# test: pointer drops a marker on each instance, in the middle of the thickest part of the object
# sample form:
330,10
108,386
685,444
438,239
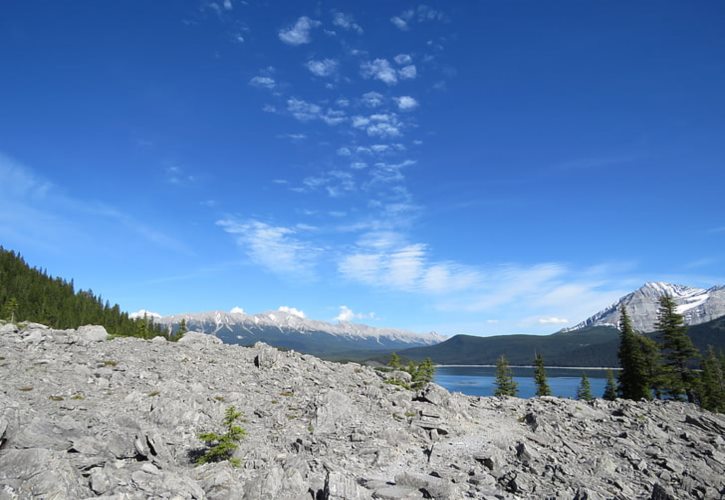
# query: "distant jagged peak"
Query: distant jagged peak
661,288
697,305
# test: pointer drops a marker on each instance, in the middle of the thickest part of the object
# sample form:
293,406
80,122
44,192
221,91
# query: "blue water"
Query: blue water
481,381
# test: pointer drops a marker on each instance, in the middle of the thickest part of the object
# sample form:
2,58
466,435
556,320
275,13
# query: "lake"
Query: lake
481,380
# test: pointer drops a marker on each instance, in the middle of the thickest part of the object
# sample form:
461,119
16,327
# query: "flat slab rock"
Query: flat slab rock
83,416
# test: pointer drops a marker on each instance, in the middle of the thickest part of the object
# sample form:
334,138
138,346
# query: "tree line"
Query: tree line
32,295
649,369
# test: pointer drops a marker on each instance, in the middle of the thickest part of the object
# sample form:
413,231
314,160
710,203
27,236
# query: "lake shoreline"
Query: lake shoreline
531,366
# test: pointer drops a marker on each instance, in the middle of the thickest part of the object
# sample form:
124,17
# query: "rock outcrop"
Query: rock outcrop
85,418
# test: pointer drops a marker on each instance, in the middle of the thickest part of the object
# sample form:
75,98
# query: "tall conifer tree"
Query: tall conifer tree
505,385
610,390
712,383
542,386
633,378
677,350
584,392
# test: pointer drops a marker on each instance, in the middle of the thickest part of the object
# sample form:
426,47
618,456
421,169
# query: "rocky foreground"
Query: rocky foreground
82,416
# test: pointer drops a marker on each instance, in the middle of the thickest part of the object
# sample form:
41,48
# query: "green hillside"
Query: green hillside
31,294
593,346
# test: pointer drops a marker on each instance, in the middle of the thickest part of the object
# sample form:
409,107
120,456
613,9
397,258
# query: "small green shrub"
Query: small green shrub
222,446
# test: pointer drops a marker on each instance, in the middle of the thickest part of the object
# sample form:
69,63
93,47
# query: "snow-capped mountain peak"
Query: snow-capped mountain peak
287,327
697,305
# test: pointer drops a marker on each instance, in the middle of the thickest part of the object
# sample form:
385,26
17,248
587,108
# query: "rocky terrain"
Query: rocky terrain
84,416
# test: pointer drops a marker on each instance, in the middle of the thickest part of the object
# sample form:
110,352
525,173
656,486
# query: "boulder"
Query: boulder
434,394
92,333
199,339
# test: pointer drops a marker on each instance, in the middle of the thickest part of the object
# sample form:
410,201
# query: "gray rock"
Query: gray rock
434,394
266,357
398,375
339,486
434,487
92,333
8,328
38,473
199,339
660,492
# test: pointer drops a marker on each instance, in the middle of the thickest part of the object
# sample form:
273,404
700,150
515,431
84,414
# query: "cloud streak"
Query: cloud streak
299,33
276,249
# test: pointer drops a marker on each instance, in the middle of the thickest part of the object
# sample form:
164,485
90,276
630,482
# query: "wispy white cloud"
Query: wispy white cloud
306,111
266,82
408,72
422,13
379,69
406,103
277,249
373,99
400,23
292,310
553,320
32,209
293,137
346,22
384,259
322,68
237,310
346,315
403,59
299,33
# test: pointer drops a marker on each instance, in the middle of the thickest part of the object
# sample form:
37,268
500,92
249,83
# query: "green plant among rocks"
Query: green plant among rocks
222,446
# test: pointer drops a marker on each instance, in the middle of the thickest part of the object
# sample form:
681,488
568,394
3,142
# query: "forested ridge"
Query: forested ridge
31,294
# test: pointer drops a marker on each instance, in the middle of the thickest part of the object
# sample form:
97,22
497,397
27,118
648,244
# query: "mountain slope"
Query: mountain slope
290,331
697,305
589,346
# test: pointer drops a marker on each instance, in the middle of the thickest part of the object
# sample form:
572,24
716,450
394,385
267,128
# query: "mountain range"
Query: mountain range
287,328
593,342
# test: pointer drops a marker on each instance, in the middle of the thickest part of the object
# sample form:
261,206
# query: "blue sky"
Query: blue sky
466,167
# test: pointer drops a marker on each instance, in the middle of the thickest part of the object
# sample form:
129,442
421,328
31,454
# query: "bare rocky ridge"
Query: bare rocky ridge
292,331
697,306
85,417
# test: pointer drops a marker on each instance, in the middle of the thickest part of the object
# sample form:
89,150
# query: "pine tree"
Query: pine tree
584,392
634,382
712,383
678,350
423,374
610,390
10,309
222,446
505,385
651,360
142,327
394,362
542,386
182,328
